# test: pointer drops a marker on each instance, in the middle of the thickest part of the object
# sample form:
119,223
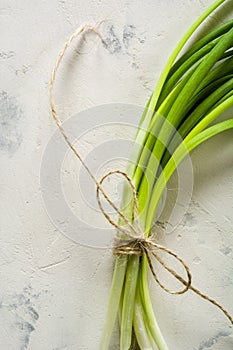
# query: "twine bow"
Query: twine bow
136,242
133,240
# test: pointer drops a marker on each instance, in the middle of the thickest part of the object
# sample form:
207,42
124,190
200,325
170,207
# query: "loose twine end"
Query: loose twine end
135,241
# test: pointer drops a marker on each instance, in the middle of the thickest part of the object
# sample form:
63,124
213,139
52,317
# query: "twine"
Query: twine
135,241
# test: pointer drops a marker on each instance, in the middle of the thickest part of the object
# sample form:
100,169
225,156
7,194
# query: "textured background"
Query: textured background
54,292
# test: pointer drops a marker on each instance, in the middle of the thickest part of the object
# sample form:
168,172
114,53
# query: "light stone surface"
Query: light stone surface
54,291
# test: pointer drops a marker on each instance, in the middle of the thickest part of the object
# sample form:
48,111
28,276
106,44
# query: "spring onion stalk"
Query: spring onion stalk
191,93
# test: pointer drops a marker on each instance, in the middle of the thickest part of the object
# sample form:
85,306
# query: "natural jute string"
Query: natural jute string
135,241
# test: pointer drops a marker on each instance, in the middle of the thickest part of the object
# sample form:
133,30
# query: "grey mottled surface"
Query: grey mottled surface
54,292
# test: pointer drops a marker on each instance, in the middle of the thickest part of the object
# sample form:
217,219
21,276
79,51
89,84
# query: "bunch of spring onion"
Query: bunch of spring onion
191,93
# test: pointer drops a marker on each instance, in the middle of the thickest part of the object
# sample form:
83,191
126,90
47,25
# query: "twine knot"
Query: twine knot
135,241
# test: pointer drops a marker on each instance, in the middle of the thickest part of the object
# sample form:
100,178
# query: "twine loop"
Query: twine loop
133,241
